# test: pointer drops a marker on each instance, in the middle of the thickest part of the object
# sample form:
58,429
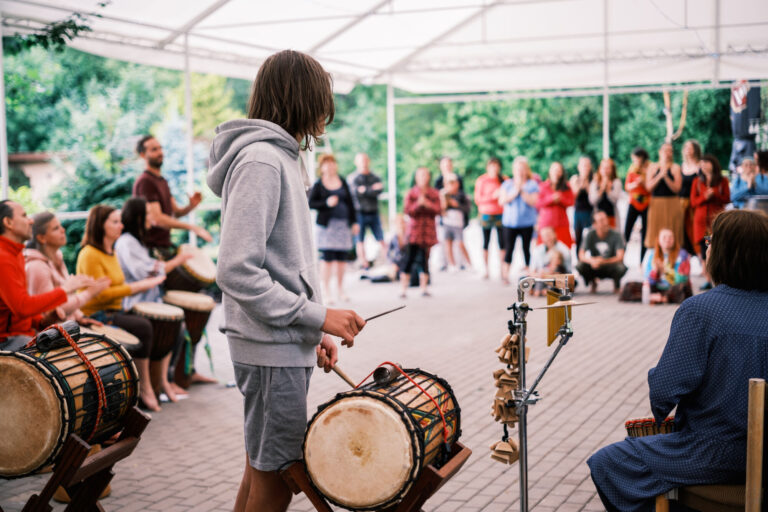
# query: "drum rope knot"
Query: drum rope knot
434,402
102,394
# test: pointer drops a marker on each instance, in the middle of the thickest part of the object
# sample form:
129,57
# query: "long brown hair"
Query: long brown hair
717,171
39,227
658,252
293,91
599,175
94,226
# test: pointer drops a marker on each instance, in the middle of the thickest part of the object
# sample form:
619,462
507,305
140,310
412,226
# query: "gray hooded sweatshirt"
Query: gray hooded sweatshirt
266,267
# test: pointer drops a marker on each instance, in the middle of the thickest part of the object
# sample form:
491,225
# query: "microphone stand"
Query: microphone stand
523,396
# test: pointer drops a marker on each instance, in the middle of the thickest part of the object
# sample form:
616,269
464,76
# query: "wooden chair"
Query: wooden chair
85,477
726,498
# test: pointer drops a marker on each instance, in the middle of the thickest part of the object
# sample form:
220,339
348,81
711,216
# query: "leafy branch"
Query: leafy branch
53,36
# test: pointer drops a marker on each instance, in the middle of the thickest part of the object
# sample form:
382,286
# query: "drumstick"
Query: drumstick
384,313
343,375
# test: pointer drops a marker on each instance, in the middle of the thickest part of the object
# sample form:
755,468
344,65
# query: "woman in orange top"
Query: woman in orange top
487,189
639,197
709,195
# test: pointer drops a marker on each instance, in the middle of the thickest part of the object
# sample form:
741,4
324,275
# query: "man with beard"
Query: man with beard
161,206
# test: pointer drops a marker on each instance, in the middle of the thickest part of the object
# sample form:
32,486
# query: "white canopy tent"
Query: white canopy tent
510,48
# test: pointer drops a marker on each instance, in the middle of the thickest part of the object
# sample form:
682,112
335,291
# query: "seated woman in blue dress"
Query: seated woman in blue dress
717,342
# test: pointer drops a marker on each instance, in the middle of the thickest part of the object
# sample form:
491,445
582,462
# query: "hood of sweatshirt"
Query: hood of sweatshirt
233,136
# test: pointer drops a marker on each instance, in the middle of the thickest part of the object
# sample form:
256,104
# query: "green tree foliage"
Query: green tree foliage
212,99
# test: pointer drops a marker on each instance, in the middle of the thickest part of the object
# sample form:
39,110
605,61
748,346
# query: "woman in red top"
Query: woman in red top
554,197
487,188
639,197
709,195
422,205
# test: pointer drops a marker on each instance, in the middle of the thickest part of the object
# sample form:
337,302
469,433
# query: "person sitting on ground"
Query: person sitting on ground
138,265
716,344
602,254
20,312
747,183
46,270
666,268
422,205
545,260
454,208
97,258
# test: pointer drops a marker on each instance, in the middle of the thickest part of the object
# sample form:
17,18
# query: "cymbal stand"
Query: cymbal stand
523,396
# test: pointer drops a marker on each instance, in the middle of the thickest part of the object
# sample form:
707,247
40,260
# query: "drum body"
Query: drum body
48,395
197,309
365,448
166,323
194,274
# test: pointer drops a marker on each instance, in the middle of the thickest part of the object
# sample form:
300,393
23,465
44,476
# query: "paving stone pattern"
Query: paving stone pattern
192,456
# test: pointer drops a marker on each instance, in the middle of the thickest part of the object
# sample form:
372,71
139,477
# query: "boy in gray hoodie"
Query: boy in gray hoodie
273,314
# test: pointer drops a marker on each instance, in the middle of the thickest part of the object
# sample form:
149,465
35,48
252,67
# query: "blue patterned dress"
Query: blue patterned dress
717,342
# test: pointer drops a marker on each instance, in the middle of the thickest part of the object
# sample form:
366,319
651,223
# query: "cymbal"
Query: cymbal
565,303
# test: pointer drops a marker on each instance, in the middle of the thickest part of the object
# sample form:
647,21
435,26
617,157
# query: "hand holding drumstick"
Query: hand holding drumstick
344,323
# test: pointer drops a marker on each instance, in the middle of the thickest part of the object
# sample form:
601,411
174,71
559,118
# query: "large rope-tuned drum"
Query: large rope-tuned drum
166,324
364,449
47,395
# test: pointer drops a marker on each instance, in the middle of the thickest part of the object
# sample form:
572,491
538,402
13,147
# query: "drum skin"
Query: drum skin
48,395
193,275
364,449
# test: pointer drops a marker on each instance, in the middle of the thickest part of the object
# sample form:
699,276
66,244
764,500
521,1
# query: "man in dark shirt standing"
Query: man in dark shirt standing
366,188
161,206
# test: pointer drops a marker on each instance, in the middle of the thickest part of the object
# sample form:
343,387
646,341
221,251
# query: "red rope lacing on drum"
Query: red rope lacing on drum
442,416
102,404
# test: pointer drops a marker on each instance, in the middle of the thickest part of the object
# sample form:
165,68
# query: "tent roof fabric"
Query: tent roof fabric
433,46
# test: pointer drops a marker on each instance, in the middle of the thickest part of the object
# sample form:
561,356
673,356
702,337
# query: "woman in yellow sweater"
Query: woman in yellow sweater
97,258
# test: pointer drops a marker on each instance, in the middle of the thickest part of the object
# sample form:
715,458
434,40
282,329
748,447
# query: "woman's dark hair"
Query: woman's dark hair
293,91
94,226
497,161
737,256
641,153
6,212
717,171
696,148
562,182
39,227
134,218
762,161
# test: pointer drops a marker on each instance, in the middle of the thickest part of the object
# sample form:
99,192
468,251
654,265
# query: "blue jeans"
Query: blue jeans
372,221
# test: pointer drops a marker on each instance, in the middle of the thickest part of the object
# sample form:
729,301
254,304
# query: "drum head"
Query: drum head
31,419
113,333
158,311
200,265
358,452
189,300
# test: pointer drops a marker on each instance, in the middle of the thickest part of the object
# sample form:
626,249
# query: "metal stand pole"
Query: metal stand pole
524,396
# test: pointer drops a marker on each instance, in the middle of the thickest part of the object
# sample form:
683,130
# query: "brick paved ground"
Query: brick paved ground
192,453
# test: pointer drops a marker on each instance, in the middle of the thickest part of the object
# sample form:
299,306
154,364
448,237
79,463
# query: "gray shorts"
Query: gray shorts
275,413
453,233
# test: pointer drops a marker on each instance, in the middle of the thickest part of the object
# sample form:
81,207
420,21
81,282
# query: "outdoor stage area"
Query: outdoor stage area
191,456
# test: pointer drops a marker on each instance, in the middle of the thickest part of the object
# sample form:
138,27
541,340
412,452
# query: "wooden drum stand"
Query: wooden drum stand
430,480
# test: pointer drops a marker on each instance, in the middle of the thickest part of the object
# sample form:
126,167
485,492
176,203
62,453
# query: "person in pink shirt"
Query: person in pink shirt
554,197
487,188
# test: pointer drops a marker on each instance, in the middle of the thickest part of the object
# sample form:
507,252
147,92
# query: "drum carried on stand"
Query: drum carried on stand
364,449
166,323
194,274
47,395
197,310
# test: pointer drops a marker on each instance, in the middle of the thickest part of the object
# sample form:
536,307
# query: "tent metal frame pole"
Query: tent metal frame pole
4,168
716,53
391,156
606,93
190,135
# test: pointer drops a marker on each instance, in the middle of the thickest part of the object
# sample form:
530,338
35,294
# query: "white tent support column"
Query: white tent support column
190,158
4,170
606,97
391,156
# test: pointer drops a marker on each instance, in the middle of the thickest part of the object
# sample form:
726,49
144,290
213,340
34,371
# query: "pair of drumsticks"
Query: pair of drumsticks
338,371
